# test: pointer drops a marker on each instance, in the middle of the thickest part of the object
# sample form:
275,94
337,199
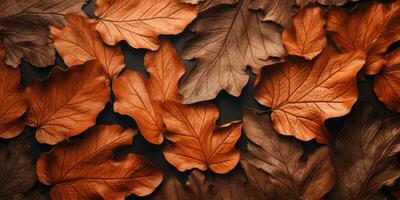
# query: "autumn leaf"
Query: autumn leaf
229,38
365,155
24,28
288,175
84,169
303,94
67,103
141,98
278,11
140,22
307,38
207,4
79,42
196,140
373,27
324,2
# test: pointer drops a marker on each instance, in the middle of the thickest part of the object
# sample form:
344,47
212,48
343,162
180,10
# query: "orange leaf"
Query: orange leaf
307,38
303,94
67,103
140,98
196,141
79,42
140,22
84,169
372,27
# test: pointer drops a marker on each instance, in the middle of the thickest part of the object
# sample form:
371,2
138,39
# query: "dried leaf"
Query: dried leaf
365,156
279,11
207,4
140,22
229,38
373,27
79,42
84,169
289,176
196,141
307,38
140,98
303,94
25,32
67,103
324,2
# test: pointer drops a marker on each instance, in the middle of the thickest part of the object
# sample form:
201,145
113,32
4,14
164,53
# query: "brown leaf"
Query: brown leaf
307,38
140,98
229,38
67,103
24,28
324,2
196,141
207,4
373,27
84,169
303,94
140,22
79,42
288,175
365,156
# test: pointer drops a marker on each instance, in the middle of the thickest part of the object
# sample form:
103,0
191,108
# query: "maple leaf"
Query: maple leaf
286,174
140,22
24,30
207,4
196,141
365,155
373,27
303,94
140,98
229,38
84,169
67,103
79,42
307,38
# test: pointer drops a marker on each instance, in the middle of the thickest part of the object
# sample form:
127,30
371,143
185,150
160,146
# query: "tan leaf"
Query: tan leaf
207,4
279,11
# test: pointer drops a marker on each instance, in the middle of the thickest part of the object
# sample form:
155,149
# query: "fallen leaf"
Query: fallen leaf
324,2
303,94
84,169
25,32
373,27
365,155
140,22
196,140
67,103
278,11
207,4
307,38
288,175
229,38
79,42
140,98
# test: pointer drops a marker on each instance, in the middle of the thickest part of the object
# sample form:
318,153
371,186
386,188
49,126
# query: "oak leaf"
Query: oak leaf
303,94
79,42
141,98
24,28
373,27
286,174
229,38
140,22
307,38
84,169
207,4
278,11
67,103
196,140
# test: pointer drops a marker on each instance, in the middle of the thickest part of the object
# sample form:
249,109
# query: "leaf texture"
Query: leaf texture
278,11
324,2
207,4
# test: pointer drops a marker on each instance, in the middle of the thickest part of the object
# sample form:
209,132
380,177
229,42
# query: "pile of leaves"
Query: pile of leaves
307,61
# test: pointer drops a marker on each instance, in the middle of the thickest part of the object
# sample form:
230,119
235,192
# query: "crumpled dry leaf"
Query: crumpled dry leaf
79,42
303,94
67,103
288,175
207,4
141,98
307,38
140,22
229,38
25,32
373,27
196,140
365,155
84,169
